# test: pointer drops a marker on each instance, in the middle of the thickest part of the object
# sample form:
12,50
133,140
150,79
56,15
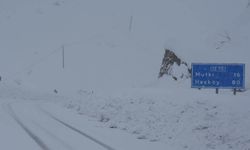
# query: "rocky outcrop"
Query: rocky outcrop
173,66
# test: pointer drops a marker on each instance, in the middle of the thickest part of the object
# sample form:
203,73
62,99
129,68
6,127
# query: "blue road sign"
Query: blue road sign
218,76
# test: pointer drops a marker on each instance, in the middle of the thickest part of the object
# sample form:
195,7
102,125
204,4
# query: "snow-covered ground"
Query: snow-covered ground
36,121
181,117
109,87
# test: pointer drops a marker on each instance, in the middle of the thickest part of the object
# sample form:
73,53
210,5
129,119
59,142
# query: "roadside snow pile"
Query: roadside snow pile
192,119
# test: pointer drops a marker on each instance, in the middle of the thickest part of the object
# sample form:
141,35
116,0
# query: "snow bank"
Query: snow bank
183,118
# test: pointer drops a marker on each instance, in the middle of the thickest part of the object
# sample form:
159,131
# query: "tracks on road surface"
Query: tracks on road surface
38,140
78,131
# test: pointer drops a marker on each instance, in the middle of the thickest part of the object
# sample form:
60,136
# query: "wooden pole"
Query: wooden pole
63,59
130,23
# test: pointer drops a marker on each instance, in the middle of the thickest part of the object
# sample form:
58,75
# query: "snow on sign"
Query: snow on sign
218,76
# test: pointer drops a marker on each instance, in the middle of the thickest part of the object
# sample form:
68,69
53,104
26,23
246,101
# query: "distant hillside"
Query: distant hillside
111,44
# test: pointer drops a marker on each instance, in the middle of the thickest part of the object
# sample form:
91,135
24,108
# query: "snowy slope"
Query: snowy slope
102,52
180,117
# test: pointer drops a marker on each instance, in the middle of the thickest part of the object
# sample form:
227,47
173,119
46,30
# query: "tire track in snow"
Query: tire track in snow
56,138
78,131
39,142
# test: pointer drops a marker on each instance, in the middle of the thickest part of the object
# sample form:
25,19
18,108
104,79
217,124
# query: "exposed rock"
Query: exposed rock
172,65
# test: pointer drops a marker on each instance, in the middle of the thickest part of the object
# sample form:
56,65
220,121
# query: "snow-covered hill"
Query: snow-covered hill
113,52
100,48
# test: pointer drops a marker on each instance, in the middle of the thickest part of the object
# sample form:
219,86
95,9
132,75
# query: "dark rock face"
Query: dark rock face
169,63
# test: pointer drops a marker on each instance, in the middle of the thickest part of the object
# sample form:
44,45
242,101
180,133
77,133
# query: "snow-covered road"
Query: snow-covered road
40,125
